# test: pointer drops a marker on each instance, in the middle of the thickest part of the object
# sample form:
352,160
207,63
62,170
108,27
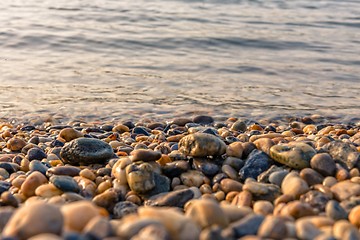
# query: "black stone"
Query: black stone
256,163
36,154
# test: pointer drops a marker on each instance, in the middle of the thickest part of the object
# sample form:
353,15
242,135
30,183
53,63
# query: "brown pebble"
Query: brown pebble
323,163
15,144
69,134
263,207
235,149
229,185
34,180
243,199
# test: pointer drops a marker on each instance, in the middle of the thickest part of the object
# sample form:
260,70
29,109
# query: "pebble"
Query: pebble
295,155
264,144
202,145
343,152
176,198
345,189
85,151
33,219
193,178
145,155
354,216
98,227
256,163
124,208
262,191
36,165
48,190
249,225
34,180
36,154
334,210
229,185
323,163
140,177
294,185
65,183
239,126
73,221
273,227
203,119
235,149
263,207
15,144
64,170
206,213
306,230
277,177
311,176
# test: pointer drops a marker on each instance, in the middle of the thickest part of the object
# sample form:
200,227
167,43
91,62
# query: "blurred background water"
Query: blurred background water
109,59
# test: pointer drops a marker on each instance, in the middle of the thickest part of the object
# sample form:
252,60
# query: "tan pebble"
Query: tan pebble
345,189
311,176
264,144
293,185
310,129
103,187
202,145
87,186
329,181
192,178
18,181
47,191
69,134
266,135
120,128
87,173
99,227
106,200
119,170
230,196
297,209
33,219
205,188
34,180
319,221
235,149
220,195
176,223
175,182
24,165
134,199
15,144
164,160
341,173
354,216
344,228
355,172
235,213
73,220
175,138
115,144
273,227
306,230
263,207
206,213
284,199
244,198
229,185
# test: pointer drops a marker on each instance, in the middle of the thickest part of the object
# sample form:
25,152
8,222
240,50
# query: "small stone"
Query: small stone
202,119
293,185
316,199
85,151
176,168
242,199
34,180
65,183
239,126
343,152
69,134
120,128
73,221
202,145
273,227
235,149
145,155
64,170
248,225
4,186
207,167
176,198
46,236
256,163
324,164
36,154
47,191
343,229
306,230
124,208
107,199
99,227
277,177
230,185
33,219
311,177
263,207
297,209
140,177
262,191
152,232
192,178
354,216
36,165
235,213
264,144
345,189
335,211
9,199
15,144
206,212
295,155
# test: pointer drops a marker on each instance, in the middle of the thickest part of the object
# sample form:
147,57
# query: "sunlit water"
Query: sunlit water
118,59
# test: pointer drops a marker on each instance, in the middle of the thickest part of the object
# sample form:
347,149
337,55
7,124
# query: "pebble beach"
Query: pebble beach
183,178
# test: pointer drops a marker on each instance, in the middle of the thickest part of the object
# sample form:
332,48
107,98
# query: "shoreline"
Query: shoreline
216,177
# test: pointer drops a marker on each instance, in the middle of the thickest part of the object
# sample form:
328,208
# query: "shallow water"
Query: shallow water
118,59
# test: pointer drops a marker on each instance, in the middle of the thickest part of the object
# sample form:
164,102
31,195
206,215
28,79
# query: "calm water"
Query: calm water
117,59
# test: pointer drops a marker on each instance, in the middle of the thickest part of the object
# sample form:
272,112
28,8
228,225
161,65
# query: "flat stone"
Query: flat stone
249,225
85,151
65,183
32,219
295,155
256,163
176,198
202,145
145,155
345,189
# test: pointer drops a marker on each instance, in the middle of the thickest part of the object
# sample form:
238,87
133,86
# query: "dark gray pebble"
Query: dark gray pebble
65,183
256,163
